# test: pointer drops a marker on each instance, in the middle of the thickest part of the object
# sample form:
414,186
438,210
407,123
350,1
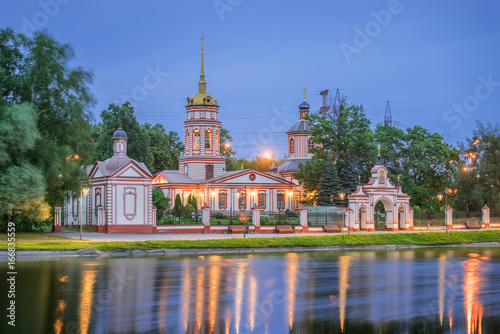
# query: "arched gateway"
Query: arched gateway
362,203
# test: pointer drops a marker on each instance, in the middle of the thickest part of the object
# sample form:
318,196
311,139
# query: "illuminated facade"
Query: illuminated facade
202,170
120,197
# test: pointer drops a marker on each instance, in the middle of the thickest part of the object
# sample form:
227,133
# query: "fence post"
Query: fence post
101,227
205,218
256,218
486,216
449,217
57,220
153,217
303,219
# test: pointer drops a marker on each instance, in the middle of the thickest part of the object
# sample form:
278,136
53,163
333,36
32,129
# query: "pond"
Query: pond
414,291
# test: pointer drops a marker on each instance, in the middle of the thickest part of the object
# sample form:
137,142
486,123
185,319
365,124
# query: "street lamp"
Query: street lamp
83,192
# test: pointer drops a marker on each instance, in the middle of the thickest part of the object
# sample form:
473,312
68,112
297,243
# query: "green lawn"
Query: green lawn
40,241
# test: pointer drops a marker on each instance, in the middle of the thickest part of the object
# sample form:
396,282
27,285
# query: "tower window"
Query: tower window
311,144
291,146
196,139
208,139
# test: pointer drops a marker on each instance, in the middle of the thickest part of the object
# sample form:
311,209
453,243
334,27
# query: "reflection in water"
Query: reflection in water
61,305
343,286
200,277
252,301
86,297
186,294
213,290
238,296
242,294
472,285
291,277
441,285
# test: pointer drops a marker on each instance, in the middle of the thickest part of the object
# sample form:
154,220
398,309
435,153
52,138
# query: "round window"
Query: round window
252,177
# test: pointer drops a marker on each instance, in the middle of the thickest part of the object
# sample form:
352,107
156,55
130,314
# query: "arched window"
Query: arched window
196,139
187,140
291,146
208,139
311,144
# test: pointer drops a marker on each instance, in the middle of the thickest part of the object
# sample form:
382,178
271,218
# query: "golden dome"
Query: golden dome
202,97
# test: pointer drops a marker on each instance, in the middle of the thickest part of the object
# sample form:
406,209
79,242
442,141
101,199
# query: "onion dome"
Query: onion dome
120,134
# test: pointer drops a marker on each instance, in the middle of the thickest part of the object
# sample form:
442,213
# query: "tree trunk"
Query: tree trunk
7,219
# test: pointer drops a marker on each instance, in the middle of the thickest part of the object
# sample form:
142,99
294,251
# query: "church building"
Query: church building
202,170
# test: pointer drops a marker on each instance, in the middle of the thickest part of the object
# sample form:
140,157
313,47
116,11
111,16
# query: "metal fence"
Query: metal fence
281,218
230,218
324,218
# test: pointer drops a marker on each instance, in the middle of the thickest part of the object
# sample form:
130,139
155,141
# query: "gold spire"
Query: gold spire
202,98
202,84
304,93
379,150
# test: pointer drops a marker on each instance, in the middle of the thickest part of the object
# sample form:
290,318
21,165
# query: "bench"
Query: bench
331,228
236,228
284,229
473,225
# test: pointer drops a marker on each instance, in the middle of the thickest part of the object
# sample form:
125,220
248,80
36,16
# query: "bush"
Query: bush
218,215
168,220
187,210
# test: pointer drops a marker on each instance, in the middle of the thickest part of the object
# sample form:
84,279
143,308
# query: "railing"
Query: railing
324,218
228,218
282,218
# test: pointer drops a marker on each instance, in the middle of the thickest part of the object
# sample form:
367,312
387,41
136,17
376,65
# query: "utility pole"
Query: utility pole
388,115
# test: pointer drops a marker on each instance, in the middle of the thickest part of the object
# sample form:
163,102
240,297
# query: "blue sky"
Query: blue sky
436,62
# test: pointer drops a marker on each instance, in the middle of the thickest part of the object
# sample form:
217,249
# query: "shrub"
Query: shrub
168,220
218,215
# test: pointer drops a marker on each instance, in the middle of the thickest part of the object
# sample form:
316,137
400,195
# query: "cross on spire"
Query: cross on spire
202,38
304,93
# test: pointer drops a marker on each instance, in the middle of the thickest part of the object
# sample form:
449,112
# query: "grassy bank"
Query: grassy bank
40,241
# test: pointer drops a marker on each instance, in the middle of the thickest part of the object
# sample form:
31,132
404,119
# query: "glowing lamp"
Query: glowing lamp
342,196
440,196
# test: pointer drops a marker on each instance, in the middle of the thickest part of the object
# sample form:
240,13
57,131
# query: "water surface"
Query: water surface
414,291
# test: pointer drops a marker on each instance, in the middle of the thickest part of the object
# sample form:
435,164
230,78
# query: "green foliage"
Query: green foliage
35,71
422,159
474,192
348,138
138,143
161,202
168,220
22,182
166,148
308,176
329,183
178,206
187,210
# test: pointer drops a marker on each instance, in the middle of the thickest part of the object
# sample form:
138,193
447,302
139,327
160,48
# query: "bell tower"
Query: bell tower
202,159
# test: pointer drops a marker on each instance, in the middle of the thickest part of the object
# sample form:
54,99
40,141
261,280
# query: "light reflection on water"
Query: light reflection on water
430,291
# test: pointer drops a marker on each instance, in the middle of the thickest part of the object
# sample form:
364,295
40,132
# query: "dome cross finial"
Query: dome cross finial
304,93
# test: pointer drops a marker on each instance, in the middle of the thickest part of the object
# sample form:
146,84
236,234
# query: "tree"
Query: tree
347,138
479,183
329,183
22,183
422,159
161,202
308,176
166,148
138,143
177,205
35,70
